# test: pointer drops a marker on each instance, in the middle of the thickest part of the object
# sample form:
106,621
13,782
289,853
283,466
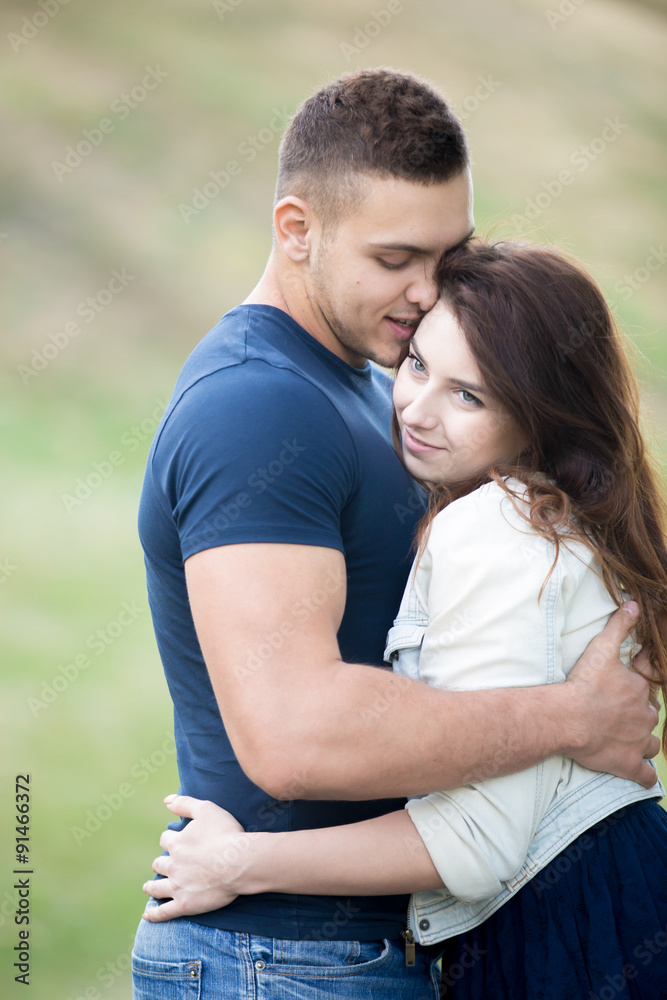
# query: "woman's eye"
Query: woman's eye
468,397
416,364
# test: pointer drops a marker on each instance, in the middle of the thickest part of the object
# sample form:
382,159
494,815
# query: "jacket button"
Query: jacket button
424,925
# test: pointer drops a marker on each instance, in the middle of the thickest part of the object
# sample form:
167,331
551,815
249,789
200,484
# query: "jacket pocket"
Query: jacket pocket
403,635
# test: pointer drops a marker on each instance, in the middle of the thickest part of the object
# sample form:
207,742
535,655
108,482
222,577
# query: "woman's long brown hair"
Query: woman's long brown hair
547,348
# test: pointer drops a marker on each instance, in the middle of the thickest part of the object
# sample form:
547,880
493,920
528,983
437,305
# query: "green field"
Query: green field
90,357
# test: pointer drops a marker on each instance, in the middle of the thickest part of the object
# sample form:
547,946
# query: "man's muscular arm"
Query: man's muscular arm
304,724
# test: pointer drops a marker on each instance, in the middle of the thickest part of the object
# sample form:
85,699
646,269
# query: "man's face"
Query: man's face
371,279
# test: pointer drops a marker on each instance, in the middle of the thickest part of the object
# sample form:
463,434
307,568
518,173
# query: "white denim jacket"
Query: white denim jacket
477,613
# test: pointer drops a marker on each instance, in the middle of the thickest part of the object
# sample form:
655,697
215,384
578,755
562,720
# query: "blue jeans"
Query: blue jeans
181,959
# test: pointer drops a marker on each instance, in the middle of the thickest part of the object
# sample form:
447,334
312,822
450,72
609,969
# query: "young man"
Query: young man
277,522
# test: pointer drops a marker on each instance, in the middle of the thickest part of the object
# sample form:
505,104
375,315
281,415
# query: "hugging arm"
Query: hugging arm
302,722
212,860
306,720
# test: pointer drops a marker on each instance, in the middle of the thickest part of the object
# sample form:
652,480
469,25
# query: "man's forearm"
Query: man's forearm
371,734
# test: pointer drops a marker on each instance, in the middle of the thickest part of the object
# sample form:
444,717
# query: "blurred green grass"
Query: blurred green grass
551,91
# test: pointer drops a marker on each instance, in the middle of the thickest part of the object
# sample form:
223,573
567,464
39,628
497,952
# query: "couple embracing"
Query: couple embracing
494,502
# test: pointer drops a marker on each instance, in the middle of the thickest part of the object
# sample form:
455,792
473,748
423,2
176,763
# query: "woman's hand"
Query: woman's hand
205,864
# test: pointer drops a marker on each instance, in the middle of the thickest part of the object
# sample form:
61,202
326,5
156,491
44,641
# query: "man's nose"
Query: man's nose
423,291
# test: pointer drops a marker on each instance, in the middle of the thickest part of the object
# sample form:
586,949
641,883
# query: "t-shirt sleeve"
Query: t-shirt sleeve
254,453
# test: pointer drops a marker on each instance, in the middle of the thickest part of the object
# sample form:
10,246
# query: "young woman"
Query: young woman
515,406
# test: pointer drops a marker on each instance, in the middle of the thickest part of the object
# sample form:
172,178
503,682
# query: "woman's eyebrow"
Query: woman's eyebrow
416,352
468,386
461,383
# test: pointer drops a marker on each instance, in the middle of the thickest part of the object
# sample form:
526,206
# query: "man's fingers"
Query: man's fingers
183,805
159,888
167,839
158,914
646,775
160,864
621,624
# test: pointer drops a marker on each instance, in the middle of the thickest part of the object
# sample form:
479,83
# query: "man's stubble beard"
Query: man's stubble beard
353,340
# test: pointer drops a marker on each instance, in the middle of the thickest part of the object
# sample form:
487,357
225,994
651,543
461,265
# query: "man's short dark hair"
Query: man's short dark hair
374,122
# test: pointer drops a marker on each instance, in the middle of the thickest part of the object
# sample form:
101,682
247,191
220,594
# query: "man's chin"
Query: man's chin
387,358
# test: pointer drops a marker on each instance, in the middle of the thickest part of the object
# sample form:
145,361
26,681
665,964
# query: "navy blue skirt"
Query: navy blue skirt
592,925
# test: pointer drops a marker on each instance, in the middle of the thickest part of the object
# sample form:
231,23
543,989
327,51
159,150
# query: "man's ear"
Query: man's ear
295,223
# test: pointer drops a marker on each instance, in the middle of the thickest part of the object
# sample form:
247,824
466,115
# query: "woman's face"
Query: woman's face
451,427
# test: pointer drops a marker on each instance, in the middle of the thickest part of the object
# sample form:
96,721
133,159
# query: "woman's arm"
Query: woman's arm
471,838
379,856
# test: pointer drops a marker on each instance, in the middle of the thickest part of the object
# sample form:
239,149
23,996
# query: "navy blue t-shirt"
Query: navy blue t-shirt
269,437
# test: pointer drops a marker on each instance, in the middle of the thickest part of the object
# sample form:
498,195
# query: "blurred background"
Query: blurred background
124,238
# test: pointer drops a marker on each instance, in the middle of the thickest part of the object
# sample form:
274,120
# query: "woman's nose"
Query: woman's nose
420,412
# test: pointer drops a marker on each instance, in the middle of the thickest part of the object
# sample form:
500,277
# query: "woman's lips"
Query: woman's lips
414,445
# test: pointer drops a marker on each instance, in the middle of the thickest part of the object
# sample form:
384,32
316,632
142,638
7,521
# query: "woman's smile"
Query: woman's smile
452,428
413,443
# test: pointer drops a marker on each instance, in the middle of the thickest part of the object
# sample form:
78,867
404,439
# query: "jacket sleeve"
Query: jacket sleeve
488,626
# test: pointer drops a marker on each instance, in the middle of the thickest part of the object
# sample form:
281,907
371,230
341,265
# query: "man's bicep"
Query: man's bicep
266,616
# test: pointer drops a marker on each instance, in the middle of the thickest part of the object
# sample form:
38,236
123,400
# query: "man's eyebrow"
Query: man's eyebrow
405,247
409,248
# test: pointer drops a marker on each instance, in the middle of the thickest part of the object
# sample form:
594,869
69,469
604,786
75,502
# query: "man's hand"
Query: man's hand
614,705
203,863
